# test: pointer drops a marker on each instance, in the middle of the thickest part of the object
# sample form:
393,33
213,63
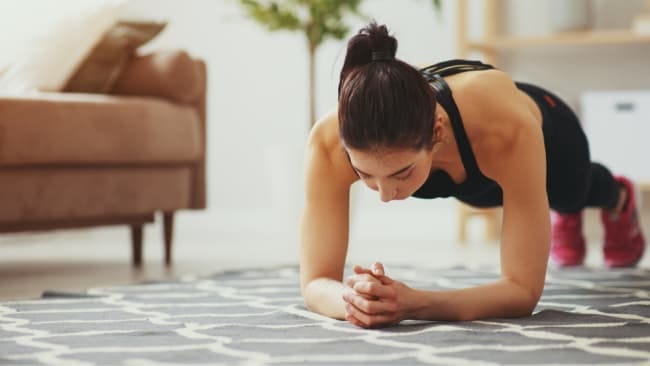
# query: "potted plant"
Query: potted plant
318,20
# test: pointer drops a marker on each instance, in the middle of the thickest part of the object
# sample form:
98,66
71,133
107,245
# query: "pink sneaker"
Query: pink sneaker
567,242
624,242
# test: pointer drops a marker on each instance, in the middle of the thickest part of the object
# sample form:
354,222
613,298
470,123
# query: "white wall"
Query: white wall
258,102
258,107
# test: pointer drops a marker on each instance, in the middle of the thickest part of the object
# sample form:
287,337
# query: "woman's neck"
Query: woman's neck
445,153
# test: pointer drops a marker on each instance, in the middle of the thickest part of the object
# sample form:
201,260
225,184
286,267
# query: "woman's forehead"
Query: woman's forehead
383,157
383,153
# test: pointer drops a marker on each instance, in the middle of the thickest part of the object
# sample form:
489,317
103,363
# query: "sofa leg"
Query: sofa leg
136,243
168,227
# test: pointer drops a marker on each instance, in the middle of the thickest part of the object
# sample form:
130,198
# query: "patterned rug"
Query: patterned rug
256,317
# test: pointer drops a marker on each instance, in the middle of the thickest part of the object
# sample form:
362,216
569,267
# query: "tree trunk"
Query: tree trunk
312,86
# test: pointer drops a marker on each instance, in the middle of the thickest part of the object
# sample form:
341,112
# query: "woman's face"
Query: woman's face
395,173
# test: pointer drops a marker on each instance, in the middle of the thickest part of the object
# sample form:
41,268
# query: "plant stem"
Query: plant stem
312,85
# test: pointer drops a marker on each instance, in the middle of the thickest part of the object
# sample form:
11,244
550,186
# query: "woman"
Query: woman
460,129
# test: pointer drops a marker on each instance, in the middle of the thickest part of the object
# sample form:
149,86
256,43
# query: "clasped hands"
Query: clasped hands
374,300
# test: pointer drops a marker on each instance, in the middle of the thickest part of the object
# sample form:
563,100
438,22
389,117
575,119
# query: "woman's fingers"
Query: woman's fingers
376,269
370,306
371,297
373,289
357,269
363,320
354,320
348,292
350,281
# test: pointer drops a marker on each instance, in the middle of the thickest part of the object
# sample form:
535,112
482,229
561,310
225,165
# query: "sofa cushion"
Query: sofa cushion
68,128
102,67
171,75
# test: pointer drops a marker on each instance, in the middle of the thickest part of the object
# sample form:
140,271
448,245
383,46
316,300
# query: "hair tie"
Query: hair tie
382,56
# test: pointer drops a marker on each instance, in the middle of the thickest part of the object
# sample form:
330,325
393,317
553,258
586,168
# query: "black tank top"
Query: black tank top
439,183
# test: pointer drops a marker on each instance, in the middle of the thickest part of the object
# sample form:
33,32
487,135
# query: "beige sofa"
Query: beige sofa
79,160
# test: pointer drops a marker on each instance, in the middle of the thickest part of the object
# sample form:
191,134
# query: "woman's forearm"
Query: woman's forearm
503,298
325,296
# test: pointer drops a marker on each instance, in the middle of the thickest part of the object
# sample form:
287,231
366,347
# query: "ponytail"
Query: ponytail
383,101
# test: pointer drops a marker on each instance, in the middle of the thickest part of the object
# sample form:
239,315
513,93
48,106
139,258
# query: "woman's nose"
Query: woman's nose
386,193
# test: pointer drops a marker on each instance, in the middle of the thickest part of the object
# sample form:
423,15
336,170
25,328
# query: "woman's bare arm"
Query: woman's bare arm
524,246
325,221
514,156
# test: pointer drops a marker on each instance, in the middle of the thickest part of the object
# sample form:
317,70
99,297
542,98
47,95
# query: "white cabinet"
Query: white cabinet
617,124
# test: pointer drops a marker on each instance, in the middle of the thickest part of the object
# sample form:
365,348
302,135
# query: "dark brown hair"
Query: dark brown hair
383,102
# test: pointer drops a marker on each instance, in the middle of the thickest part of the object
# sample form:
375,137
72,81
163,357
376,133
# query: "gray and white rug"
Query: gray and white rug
256,317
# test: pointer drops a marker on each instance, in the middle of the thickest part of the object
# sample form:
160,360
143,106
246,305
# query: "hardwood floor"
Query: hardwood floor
78,259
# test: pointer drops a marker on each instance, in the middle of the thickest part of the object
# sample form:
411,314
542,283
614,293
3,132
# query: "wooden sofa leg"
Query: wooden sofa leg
136,243
168,227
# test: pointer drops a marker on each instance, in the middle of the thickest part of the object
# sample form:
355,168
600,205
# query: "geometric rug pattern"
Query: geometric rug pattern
256,317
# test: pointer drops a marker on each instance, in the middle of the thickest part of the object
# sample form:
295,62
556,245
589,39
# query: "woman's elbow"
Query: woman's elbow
309,295
528,295
530,301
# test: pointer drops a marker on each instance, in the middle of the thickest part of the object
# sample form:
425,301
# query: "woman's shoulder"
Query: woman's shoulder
481,82
490,102
325,148
495,113
324,136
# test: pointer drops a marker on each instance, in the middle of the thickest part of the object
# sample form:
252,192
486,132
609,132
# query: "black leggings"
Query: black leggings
573,182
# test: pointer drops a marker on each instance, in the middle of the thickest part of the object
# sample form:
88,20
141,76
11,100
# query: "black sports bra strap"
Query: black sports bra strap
452,67
445,98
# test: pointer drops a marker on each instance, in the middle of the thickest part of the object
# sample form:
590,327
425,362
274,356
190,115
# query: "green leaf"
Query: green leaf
319,20
272,15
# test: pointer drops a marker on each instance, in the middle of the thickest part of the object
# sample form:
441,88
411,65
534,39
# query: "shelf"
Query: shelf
603,37
643,186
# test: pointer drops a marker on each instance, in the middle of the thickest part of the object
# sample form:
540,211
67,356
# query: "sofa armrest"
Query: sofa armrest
171,75
175,76
199,196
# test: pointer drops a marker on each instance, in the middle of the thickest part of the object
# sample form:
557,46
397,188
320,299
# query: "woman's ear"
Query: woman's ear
437,128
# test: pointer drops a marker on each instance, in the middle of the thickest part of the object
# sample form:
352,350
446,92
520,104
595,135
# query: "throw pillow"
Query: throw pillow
42,42
99,71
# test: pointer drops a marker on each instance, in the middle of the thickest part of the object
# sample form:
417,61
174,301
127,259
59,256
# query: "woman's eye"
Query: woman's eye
405,176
